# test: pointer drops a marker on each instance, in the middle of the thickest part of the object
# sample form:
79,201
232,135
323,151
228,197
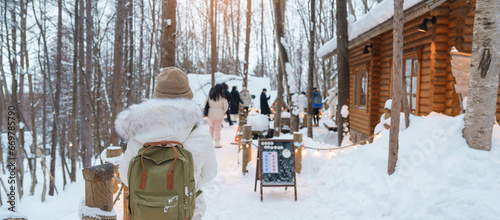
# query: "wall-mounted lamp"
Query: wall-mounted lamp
423,26
366,51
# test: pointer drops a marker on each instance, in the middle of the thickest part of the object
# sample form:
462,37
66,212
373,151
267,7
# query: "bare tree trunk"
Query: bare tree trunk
262,39
34,145
343,70
283,59
396,86
118,81
351,9
141,48
2,106
22,54
74,112
367,8
483,81
56,100
247,41
84,87
213,38
152,40
131,91
236,68
310,71
12,54
168,28
44,138
3,97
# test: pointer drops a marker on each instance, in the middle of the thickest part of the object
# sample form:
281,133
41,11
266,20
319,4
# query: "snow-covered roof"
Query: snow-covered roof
378,15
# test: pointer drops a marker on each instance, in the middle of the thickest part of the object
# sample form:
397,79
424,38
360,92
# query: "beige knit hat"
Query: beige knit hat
172,83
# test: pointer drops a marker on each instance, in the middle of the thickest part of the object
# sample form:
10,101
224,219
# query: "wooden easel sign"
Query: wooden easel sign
275,165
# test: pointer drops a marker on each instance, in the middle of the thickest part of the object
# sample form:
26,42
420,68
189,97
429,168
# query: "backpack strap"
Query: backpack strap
170,175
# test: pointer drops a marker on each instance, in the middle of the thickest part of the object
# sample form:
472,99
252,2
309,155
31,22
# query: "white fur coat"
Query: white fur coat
172,120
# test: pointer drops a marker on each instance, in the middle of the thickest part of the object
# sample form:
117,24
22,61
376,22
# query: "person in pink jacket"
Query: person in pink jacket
170,115
217,107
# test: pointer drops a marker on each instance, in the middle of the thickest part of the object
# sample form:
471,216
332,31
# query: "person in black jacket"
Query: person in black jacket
229,100
264,106
235,105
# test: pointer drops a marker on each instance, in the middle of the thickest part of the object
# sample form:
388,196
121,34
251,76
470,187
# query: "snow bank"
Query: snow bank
201,84
376,16
7,214
437,176
93,212
259,122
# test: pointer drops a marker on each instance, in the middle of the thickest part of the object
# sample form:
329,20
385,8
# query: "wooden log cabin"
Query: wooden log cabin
428,70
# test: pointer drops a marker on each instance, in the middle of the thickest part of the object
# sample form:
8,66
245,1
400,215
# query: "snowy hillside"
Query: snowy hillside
201,84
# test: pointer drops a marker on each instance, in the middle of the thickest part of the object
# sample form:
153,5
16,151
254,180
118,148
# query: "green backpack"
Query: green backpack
161,182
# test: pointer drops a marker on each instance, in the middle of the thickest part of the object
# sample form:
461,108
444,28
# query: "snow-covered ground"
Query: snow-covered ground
437,177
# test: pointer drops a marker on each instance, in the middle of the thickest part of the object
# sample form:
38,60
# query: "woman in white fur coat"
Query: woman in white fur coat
170,116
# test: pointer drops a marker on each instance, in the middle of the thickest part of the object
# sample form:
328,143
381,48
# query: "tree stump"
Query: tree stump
246,144
99,189
113,151
297,143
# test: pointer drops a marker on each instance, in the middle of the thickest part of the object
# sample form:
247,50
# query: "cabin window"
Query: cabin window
360,87
411,75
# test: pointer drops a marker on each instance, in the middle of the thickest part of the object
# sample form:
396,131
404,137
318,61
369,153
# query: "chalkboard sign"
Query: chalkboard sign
276,164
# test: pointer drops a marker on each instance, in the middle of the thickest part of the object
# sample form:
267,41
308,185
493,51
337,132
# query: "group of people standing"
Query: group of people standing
221,102
302,104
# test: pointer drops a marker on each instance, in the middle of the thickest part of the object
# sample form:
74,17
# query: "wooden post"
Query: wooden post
99,188
246,144
126,215
113,151
304,120
240,135
297,143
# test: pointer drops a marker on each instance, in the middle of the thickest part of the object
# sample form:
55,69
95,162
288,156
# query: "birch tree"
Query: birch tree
397,86
343,71
310,71
56,100
483,80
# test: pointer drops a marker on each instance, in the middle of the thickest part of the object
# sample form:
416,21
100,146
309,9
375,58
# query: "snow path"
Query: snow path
231,195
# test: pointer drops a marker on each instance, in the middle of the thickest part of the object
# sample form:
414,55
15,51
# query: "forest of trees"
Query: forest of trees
69,66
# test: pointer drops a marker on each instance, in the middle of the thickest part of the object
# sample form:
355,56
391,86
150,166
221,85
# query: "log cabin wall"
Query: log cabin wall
436,84
461,24
359,117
